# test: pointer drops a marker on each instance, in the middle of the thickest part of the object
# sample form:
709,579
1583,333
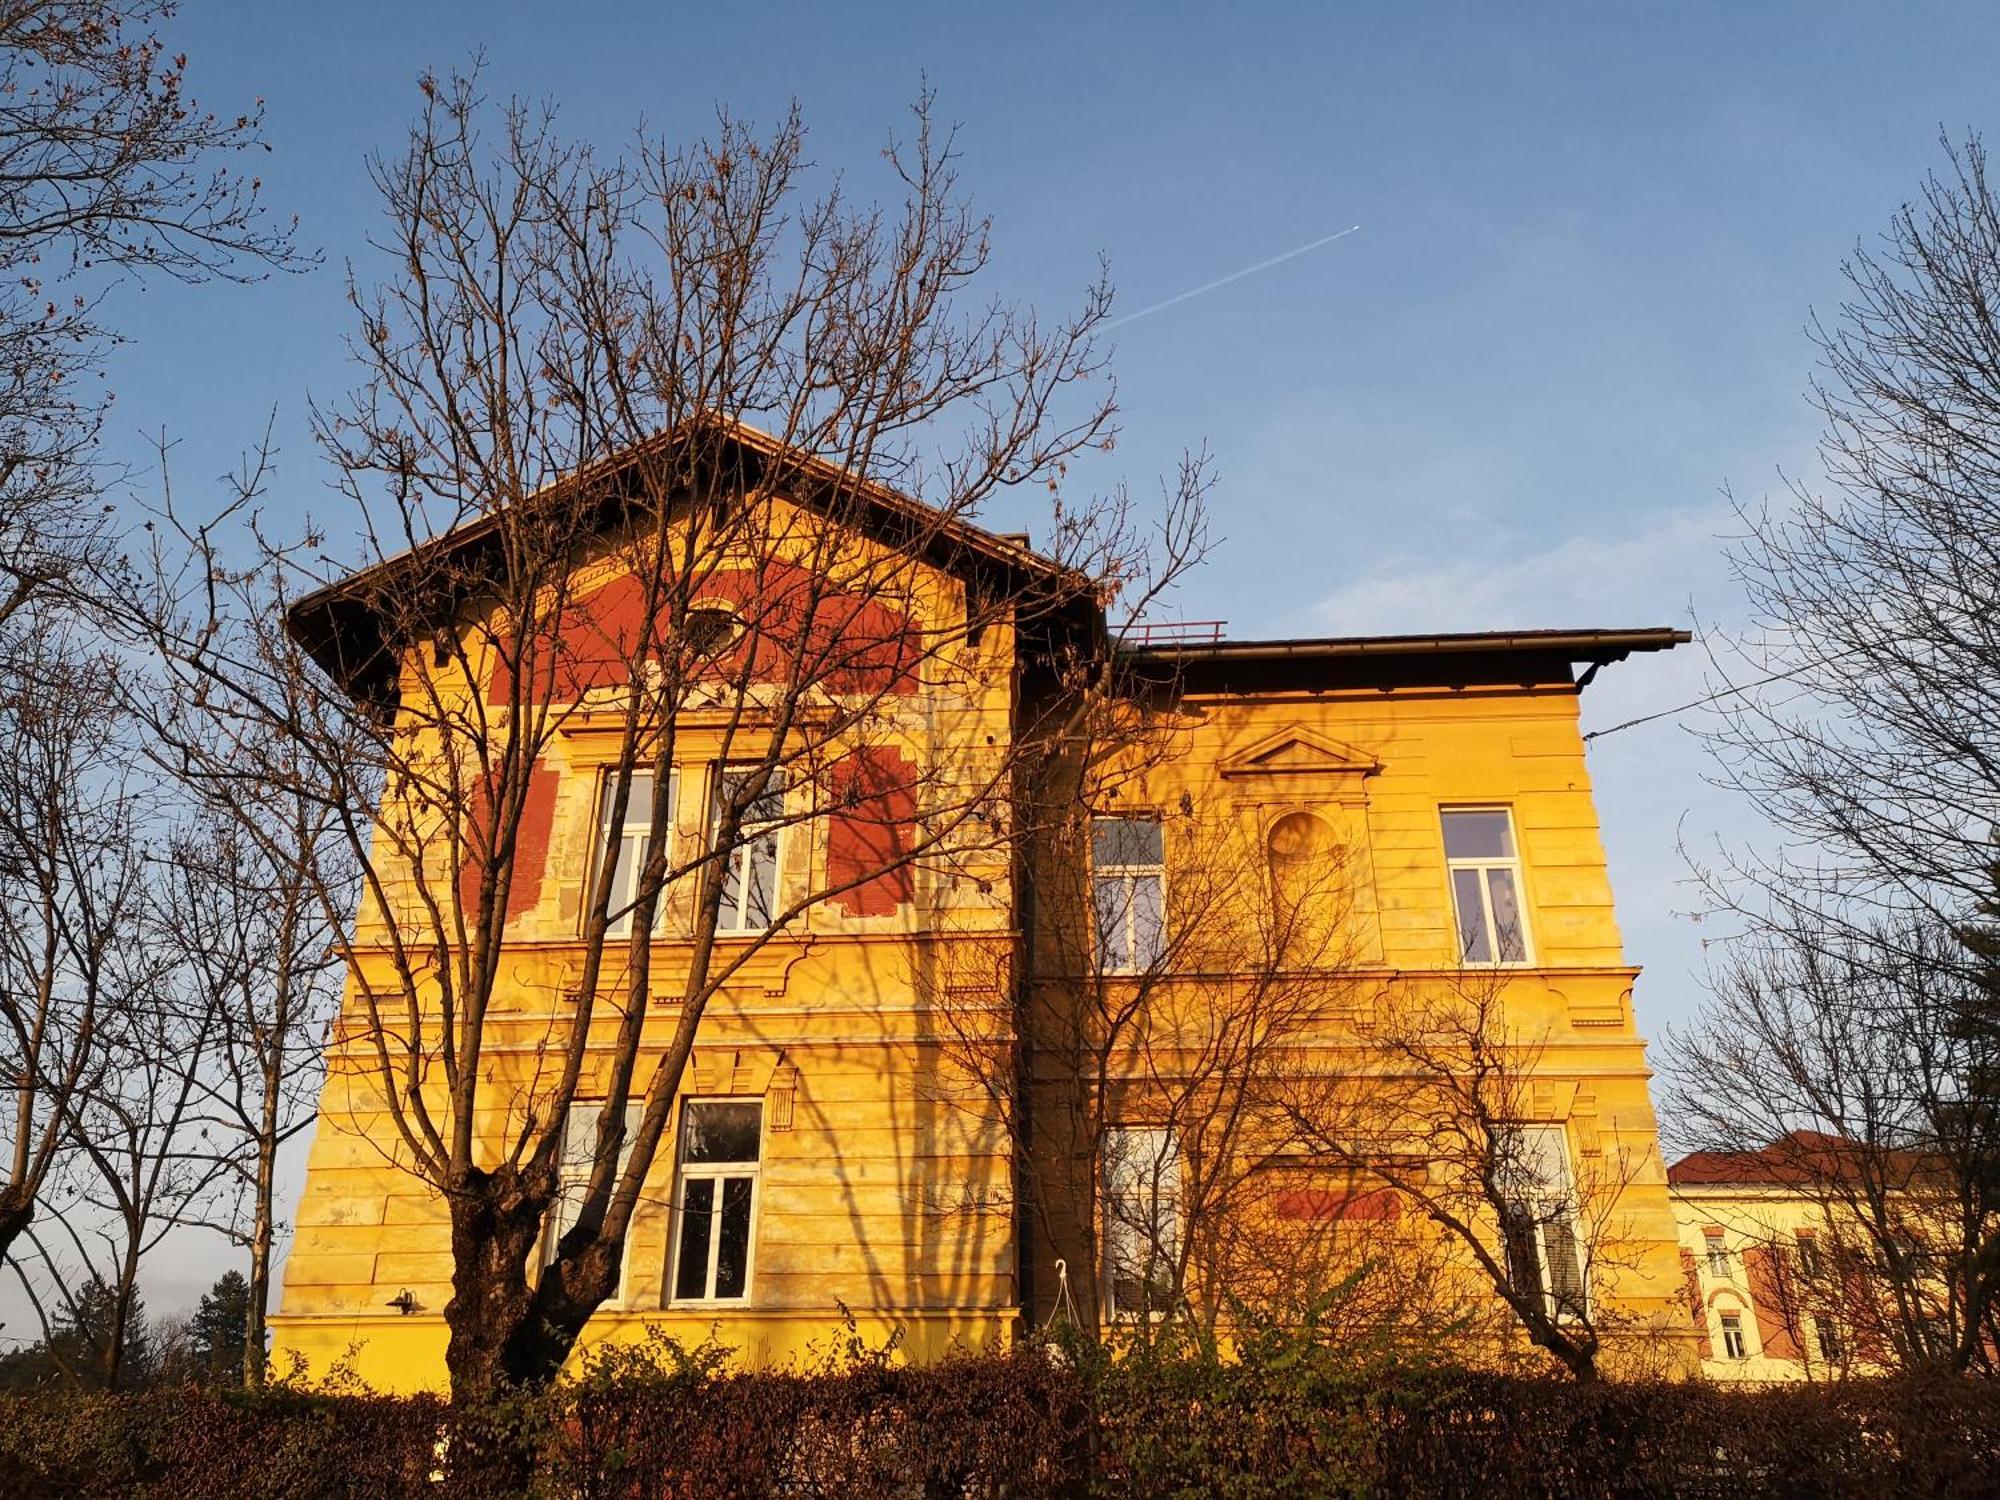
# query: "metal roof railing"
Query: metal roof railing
1173,633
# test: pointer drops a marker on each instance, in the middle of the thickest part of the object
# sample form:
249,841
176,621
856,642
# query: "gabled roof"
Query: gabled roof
342,625
1795,1159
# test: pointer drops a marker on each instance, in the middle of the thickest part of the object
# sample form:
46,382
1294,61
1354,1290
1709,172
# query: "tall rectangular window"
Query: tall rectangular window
1733,1345
1831,1349
750,869
1718,1253
1539,1221
579,1150
1485,870
1809,1260
628,846
715,1199
1128,868
1142,1182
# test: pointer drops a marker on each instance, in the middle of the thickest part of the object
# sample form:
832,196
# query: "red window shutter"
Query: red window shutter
1698,1313
1773,1296
531,840
871,831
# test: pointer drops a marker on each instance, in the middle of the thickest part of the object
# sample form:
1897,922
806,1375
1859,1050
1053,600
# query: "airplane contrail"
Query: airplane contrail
1222,281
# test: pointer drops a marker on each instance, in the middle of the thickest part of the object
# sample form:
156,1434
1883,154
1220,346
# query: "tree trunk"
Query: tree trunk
254,1360
1579,1359
494,1227
507,1333
16,1210
121,1318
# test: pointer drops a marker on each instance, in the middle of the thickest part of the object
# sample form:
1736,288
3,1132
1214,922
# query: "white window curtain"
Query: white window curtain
579,1150
1485,869
750,868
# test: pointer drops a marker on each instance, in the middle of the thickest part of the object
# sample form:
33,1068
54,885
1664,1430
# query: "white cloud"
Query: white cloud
1647,577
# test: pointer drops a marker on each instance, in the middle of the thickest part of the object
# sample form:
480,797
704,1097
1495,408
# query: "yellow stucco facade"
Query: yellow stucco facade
880,1182
1786,1281
1751,1320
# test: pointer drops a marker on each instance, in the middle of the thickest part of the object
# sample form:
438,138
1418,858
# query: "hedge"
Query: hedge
1023,1425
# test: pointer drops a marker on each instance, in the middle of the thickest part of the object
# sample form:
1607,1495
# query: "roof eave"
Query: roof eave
1580,645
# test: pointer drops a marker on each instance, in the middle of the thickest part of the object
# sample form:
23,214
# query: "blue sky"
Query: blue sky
1592,236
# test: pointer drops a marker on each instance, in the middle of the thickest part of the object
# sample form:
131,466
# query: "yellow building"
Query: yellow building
1780,1281
872,1091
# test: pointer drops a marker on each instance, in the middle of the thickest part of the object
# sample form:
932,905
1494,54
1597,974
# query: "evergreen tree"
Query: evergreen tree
79,1348
219,1330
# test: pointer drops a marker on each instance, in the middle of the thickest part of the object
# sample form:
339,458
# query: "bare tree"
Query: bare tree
143,1163
572,527
1446,1104
252,885
1863,721
108,169
72,890
1175,964
1875,747
1842,1067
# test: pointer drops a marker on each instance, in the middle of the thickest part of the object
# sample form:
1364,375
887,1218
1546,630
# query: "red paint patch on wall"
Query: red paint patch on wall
799,631
874,797
1697,1310
531,843
1321,1203
1771,1294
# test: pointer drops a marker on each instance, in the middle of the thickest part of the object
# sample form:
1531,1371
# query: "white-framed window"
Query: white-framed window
1810,1264
579,1150
1484,866
1128,869
750,869
1734,1345
628,846
715,1200
1827,1332
1717,1250
1142,1222
1544,1256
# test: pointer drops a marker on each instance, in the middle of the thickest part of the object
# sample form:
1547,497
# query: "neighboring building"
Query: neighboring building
824,1155
1754,1237
1783,1280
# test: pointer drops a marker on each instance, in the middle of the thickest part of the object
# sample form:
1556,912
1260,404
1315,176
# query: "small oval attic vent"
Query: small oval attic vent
710,628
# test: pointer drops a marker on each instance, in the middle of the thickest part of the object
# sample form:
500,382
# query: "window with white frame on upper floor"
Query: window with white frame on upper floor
1717,1250
1142,1227
1544,1251
1734,1345
1484,868
1810,1264
627,846
715,1200
1128,871
750,869
579,1155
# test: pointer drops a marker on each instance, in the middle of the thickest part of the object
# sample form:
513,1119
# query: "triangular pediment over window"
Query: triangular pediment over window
1299,752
